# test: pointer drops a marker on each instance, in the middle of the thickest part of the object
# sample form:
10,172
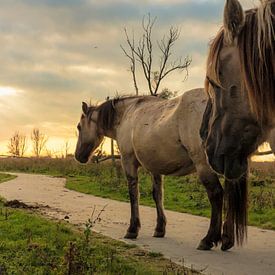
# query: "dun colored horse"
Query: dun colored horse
240,113
163,137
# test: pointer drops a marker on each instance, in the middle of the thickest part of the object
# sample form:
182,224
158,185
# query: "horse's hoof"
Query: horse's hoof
227,246
204,245
131,235
226,243
159,234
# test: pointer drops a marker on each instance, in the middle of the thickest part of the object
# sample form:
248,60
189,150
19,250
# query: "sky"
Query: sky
57,53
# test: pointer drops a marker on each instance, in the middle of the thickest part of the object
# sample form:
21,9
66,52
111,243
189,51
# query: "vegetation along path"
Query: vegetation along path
184,231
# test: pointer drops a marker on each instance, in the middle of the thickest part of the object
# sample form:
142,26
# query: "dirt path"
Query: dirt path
183,231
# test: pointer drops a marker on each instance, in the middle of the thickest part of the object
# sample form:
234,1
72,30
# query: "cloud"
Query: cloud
59,53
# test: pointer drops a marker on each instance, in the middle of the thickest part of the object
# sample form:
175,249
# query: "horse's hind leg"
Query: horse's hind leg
158,198
215,196
131,170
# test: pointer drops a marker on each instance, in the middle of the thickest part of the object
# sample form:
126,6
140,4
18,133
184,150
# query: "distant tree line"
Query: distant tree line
19,143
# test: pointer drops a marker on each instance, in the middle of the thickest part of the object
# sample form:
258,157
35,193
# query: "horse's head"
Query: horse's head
89,136
240,85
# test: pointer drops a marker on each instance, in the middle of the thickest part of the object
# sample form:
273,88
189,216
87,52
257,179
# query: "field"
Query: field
183,194
31,244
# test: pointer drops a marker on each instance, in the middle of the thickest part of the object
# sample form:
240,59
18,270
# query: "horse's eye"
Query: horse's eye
79,127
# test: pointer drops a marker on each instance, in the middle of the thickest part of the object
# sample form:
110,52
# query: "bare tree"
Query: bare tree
17,145
143,53
39,141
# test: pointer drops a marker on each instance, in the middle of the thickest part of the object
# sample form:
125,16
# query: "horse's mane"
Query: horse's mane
256,45
107,111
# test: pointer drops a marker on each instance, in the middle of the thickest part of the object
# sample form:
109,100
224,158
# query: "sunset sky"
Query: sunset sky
55,54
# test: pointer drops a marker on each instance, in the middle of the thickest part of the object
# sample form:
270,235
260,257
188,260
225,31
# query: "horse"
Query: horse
240,85
163,137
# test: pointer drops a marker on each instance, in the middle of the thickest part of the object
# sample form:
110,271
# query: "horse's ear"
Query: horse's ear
205,121
85,108
233,21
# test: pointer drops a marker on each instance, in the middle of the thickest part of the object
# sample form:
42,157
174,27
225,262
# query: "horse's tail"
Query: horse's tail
235,207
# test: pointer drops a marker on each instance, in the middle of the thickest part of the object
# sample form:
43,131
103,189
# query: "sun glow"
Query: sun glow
8,91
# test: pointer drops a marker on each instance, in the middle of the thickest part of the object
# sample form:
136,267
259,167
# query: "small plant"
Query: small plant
28,234
91,222
6,213
69,258
255,182
155,254
262,200
3,270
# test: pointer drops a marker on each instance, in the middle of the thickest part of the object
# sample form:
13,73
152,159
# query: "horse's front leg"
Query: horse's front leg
228,236
131,170
215,196
158,198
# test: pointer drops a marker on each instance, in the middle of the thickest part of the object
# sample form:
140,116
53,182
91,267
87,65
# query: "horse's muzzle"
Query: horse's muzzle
82,155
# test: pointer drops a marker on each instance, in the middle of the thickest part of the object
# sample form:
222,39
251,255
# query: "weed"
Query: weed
155,254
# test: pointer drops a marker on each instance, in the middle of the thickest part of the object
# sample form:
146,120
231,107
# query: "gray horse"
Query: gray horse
163,137
241,107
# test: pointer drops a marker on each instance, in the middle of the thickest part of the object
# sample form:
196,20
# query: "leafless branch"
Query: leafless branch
165,46
144,50
131,56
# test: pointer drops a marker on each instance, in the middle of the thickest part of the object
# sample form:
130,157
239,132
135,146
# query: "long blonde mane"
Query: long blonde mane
256,45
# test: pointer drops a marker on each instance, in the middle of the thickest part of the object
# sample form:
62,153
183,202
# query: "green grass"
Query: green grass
6,177
30,244
182,194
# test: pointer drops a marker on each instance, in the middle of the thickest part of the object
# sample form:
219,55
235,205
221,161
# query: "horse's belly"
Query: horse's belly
166,162
158,147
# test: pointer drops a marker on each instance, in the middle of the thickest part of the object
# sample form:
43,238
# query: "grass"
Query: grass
30,244
6,177
182,194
